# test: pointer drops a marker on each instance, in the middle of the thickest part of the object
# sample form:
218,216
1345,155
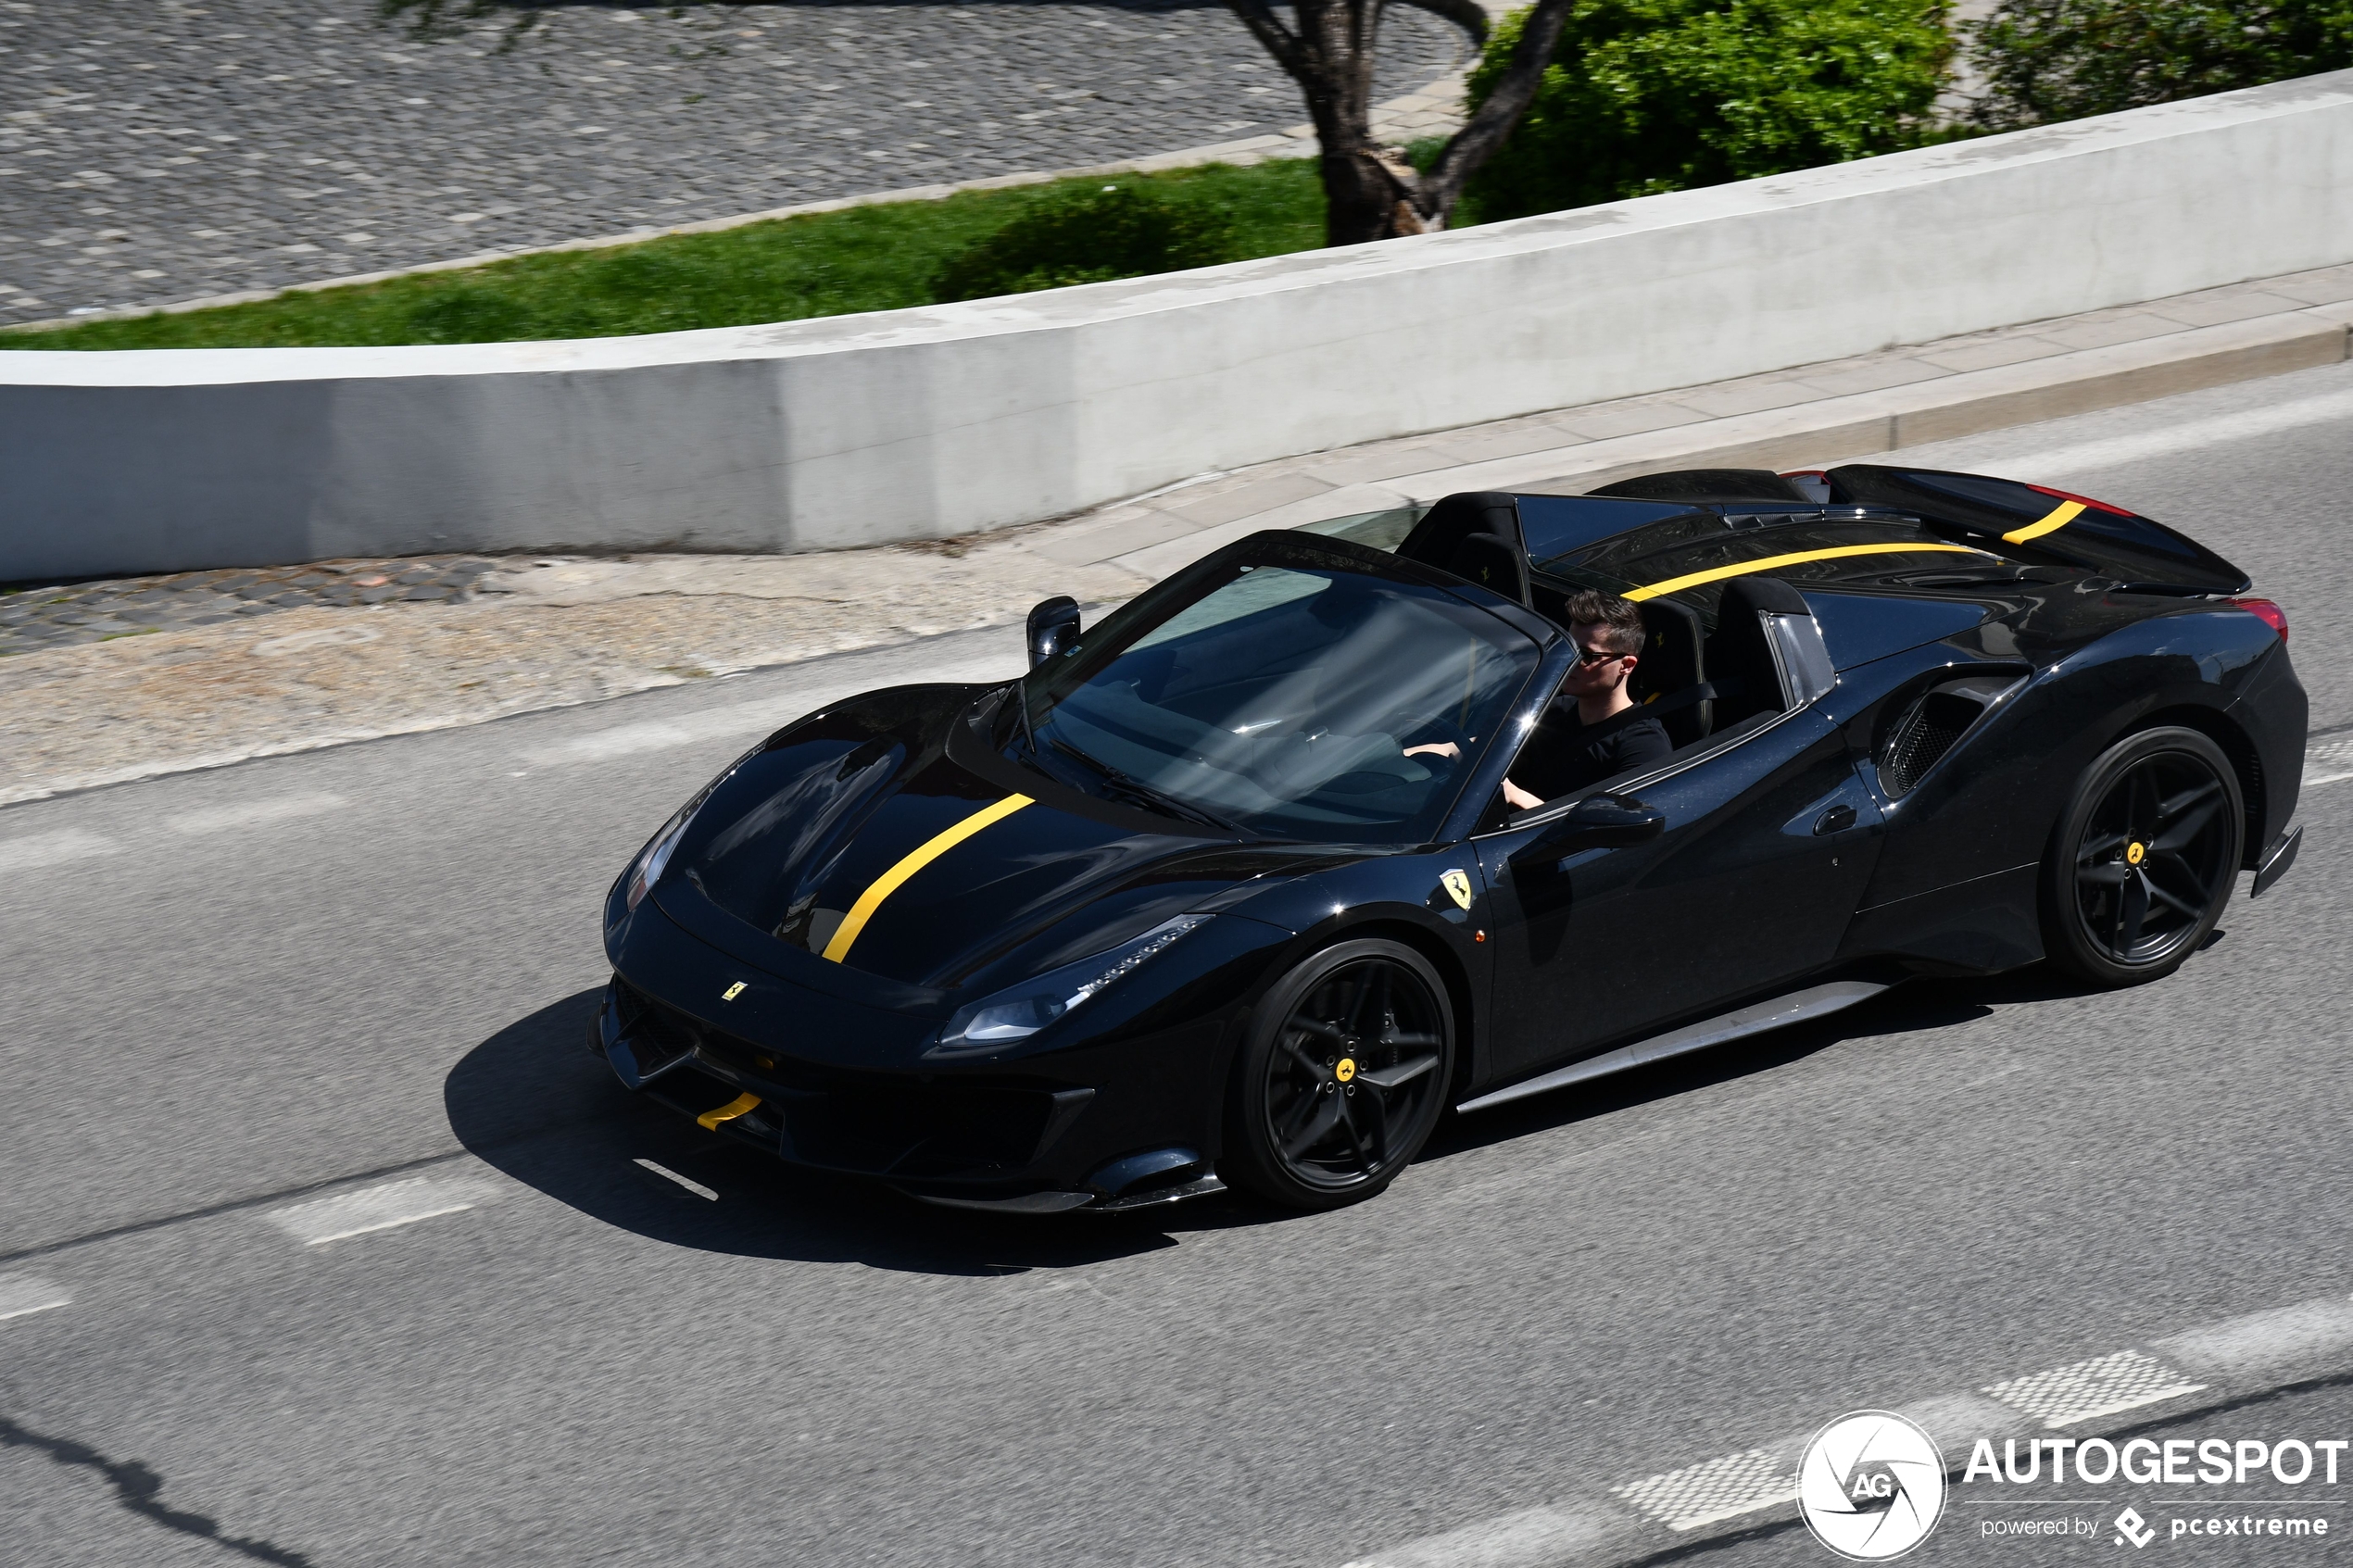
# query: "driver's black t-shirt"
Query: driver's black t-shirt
1586,754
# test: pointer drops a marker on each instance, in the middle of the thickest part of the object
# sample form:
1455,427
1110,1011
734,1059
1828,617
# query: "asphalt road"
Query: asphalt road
233,996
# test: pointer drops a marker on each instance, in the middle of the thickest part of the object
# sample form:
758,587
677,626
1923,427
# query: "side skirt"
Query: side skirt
1794,1007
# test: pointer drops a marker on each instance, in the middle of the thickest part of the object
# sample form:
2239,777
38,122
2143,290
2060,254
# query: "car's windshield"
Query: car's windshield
1280,691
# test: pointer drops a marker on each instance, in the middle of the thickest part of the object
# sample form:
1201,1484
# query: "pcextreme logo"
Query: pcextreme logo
1871,1485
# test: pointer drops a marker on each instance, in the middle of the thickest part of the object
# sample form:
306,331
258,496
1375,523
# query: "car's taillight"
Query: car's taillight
2264,611
2081,500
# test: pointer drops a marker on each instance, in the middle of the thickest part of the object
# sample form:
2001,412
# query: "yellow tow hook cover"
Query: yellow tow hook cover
1346,1070
2135,853
710,1119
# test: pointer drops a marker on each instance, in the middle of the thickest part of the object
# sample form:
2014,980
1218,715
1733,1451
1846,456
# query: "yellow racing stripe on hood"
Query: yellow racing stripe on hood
908,864
1743,569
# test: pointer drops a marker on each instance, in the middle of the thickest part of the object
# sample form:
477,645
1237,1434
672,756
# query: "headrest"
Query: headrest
1457,517
1492,563
1753,595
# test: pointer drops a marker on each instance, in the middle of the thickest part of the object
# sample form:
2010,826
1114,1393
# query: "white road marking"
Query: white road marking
1715,1491
2242,1357
694,1187
2328,761
252,814
2167,441
53,848
2068,1395
2298,1340
1533,1537
22,1295
378,1208
749,720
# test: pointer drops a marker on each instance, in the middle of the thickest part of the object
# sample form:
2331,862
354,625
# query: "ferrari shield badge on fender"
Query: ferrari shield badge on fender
732,992
1458,884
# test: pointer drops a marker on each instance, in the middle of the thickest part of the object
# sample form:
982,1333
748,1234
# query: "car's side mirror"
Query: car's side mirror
1053,629
1600,822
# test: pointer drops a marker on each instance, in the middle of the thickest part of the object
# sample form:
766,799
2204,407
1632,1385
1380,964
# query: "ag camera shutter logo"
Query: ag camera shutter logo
1871,1485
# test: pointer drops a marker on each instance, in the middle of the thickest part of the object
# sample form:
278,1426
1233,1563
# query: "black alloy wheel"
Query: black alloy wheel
1348,1066
2144,858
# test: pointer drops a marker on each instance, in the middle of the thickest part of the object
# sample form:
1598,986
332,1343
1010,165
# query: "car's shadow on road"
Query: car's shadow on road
536,1102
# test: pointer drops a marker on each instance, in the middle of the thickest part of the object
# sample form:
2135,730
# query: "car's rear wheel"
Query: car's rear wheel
1343,1076
2144,858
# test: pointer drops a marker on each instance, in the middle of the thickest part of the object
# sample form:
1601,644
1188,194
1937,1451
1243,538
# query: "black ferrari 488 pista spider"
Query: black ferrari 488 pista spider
1177,909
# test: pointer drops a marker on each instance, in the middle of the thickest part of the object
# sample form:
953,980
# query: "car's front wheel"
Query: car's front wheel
1345,1071
2144,859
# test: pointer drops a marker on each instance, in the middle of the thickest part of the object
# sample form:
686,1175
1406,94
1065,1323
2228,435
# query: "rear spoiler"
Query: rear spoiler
2030,521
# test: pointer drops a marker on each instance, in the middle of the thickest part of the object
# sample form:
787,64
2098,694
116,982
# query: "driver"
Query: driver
1601,731
1596,731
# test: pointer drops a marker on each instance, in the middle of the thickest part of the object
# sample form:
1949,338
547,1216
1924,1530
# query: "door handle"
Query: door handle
1838,818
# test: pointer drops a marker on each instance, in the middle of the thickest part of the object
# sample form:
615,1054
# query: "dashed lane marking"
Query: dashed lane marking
378,1208
750,720
252,814
22,1295
745,719
53,848
689,1182
2329,761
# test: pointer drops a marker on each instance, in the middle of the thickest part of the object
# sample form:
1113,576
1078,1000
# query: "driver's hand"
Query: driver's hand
1519,798
1445,749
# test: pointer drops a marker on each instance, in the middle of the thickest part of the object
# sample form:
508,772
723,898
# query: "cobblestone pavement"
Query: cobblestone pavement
155,150
60,616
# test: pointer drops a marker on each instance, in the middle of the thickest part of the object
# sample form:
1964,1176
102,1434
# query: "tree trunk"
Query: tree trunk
1370,191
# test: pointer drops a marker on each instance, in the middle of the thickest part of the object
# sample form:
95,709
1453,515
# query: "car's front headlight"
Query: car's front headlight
1019,1011
654,858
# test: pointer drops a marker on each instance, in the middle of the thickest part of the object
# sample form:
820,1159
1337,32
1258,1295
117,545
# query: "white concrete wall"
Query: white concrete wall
921,423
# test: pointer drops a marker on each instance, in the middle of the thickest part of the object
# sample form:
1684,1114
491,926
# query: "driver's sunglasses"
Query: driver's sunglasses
1587,658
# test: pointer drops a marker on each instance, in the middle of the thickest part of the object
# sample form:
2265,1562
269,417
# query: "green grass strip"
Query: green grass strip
827,264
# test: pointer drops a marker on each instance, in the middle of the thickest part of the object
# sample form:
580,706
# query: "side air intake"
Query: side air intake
1932,727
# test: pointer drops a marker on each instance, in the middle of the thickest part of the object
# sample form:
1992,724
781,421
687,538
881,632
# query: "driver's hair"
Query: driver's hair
1621,622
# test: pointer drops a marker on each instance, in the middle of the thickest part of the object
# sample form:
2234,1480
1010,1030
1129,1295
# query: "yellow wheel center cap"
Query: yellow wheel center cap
1346,1070
2133,852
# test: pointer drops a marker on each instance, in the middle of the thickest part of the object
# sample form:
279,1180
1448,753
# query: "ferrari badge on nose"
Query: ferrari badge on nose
732,992
1457,884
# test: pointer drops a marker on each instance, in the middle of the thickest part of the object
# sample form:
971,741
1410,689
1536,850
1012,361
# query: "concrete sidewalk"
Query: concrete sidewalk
548,631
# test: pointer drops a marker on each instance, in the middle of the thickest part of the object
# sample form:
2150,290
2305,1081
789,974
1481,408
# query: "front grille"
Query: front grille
913,1132
869,1123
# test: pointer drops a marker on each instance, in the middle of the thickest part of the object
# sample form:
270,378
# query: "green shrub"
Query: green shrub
2062,59
1649,95
1086,237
